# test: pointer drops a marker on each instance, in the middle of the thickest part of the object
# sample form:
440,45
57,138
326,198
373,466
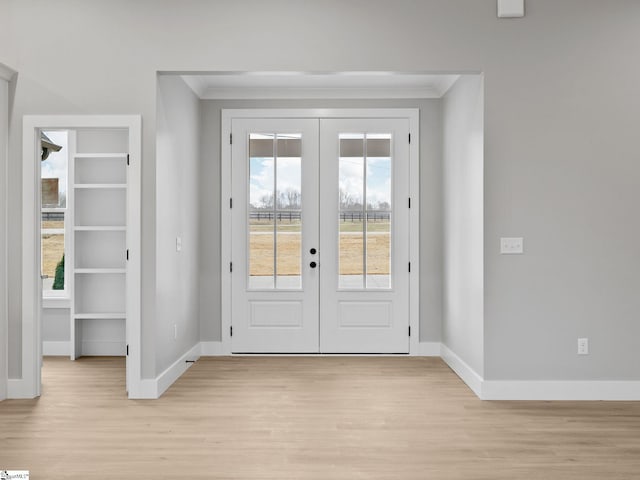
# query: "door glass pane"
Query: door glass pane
52,248
378,231
365,211
53,199
351,213
261,211
289,205
275,198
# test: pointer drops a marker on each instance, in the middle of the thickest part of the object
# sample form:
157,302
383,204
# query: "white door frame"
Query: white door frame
412,114
6,75
29,385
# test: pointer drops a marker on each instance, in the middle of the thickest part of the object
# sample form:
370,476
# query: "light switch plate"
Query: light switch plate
583,346
511,245
510,8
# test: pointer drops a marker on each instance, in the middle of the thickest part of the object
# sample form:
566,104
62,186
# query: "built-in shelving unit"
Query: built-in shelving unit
99,200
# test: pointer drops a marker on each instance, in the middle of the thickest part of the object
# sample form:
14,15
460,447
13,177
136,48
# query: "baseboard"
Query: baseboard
171,374
549,390
610,390
17,388
103,349
428,349
467,374
56,349
146,389
211,349
89,348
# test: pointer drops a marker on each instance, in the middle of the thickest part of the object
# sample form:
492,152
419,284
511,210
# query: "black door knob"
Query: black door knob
313,251
313,264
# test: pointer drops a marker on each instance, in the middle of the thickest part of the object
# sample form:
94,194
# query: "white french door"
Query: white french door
364,240
320,235
275,292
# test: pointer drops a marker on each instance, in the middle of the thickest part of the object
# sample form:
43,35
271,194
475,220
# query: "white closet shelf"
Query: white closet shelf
99,228
100,270
100,155
99,316
100,185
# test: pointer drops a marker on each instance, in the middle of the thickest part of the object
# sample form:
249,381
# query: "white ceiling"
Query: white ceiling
319,85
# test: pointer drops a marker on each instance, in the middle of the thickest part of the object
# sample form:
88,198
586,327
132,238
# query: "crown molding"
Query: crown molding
6,73
291,85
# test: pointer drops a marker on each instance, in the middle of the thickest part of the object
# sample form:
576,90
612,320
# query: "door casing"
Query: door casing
411,114
29,386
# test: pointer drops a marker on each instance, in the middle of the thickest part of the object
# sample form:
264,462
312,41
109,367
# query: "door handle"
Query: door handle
313,264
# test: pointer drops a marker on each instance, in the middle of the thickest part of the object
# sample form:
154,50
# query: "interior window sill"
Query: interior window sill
56,302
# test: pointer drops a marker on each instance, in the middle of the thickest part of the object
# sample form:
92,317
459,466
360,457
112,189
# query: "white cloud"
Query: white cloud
378,179
261,177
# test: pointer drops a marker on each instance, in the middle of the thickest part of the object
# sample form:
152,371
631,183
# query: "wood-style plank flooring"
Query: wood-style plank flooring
308,418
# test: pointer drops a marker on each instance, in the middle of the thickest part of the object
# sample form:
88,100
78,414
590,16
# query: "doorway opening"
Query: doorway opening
81,253
320,241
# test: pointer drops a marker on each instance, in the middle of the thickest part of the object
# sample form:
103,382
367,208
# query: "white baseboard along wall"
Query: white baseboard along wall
484,389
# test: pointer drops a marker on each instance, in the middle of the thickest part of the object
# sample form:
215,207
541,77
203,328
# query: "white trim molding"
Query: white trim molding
175,371
4,164
18,389
610,390
31,283
153,388
547,390
89,348
103,348
536,390
411,114
6,73
467,374
317,85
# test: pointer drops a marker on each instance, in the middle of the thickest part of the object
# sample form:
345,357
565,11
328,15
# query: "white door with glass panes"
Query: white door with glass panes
320,236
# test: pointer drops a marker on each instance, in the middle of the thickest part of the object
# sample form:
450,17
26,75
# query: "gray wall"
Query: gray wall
56,325
561,156
463,274
430,208
178,207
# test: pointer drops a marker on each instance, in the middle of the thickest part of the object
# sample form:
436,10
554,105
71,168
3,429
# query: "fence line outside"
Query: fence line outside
292,215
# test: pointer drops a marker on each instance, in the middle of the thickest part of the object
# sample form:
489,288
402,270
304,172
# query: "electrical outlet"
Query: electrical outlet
511,245
583,346
510,8
175,331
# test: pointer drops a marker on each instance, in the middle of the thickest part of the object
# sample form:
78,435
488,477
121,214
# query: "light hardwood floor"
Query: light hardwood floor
308,418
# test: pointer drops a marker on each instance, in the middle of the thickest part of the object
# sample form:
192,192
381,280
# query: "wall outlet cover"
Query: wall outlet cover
510,8
511,245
